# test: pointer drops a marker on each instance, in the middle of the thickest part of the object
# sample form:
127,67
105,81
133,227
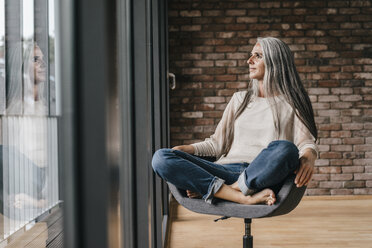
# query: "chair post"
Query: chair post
247,238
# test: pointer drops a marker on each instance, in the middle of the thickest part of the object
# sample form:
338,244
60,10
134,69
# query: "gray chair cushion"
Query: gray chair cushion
286,200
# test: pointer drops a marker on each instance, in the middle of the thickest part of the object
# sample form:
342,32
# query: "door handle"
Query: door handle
172,85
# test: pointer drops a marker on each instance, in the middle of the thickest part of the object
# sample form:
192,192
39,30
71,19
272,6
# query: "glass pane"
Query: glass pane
52,59
2,57
28,135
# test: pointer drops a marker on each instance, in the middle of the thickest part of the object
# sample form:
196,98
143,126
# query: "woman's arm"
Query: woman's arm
308,152
185,148
306,169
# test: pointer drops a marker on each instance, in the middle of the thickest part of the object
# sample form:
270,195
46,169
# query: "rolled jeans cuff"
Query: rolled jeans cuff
243,187
213,188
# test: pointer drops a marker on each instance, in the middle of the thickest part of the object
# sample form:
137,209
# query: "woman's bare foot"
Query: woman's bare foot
265,196
191,194
23,200
235,186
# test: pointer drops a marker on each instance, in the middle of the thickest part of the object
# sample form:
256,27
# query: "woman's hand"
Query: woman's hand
185,148
306,170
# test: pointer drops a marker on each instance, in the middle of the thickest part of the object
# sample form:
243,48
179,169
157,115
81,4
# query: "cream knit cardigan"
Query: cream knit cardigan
254,130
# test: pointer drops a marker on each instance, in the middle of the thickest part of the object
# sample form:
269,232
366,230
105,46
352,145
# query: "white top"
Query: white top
254,130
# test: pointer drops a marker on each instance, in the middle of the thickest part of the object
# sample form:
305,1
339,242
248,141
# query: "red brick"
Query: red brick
202,107
226,78
330,185
362,176
203,78
321,105
362,75
351,112
214,70
203,63
363,148
341,105
365,191
317,192
331,112
259,27
328,98
352,169
341,177
235,12
237,85
190,27
204,121
329,127
214,99
352,126
325,155
329,68
328,54
312,33
192,114
353,141
223,20
191,71
342,91
348,11
320,177
192,56
246,20
225,63
190,13
341,75
214,56
342,191
318,91
342,162
212,13
214,42
340,134
322,162
202,49
341,148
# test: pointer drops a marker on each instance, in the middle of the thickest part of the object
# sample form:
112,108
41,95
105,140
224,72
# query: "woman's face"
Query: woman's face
256,63
39,66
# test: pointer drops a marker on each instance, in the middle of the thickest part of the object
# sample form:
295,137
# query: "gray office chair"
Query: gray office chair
287,199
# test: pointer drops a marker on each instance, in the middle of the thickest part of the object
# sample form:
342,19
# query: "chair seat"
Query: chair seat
287,199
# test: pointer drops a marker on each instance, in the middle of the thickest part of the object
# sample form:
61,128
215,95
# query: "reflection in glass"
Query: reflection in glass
28,137
2,57
52,59
32,67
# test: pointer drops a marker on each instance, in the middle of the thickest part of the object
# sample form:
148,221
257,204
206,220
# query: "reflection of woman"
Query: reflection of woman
265,134
28,71
27,142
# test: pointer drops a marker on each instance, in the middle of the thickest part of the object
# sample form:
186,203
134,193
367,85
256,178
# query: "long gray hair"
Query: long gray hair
281,78
21,83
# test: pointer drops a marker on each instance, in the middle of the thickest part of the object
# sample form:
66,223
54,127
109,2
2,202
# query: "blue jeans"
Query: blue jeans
268,170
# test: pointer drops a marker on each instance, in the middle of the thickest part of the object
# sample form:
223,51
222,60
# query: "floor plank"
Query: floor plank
335,222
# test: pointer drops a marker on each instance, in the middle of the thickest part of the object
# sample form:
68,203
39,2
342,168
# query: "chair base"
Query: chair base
247,238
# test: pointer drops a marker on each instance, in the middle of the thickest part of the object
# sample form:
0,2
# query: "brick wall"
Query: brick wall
209,43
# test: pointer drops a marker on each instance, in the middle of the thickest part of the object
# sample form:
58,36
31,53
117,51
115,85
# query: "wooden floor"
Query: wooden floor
46,233
331,221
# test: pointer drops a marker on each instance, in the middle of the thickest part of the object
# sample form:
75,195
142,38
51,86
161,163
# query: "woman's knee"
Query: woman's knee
288,150
160,160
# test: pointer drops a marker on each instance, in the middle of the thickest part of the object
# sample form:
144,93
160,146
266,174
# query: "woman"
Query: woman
265,134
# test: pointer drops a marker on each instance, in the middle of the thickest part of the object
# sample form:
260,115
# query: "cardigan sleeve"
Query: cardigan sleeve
212,146
303,139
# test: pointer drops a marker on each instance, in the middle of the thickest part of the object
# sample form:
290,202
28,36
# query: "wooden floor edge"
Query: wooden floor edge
336,197
173,204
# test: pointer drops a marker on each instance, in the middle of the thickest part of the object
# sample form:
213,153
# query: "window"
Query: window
28,113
